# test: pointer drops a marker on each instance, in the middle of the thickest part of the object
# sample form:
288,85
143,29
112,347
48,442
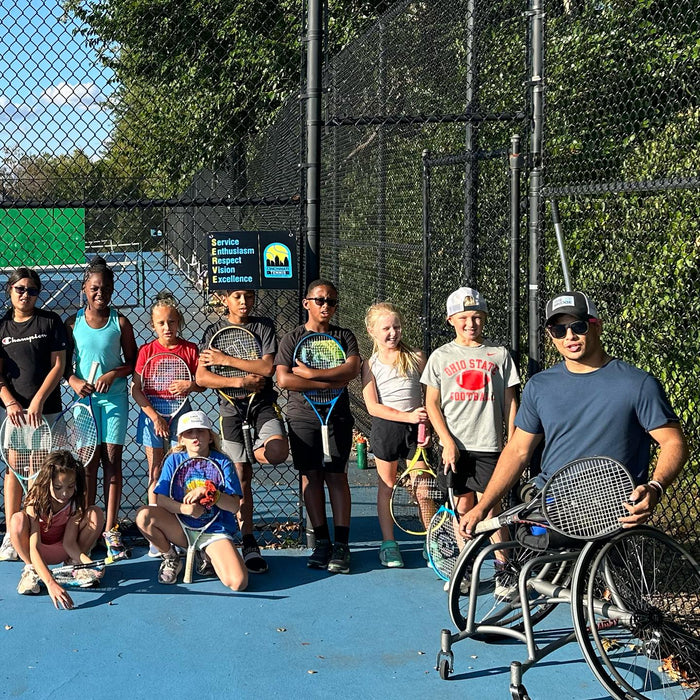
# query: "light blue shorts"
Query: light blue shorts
111,415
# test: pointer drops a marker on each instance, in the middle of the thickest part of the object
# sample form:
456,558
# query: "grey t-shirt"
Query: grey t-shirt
395,390
472,382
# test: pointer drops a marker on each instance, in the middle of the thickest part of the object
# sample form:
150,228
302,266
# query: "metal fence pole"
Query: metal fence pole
516,165
426,254
314,122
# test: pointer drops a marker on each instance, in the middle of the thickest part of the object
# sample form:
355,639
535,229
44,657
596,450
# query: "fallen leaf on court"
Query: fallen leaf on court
474,656
8,627
281,629
305,644
312,671
320,657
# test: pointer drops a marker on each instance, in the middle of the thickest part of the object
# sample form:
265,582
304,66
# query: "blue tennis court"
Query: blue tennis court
295,632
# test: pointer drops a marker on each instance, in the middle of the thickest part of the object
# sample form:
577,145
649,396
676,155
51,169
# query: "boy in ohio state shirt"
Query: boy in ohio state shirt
471,399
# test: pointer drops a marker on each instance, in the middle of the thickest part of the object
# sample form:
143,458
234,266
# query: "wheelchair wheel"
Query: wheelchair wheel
495,588
636,611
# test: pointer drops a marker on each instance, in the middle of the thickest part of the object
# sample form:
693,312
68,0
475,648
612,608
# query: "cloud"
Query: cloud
83,96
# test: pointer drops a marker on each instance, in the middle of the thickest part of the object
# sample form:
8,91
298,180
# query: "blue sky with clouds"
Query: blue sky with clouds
52,90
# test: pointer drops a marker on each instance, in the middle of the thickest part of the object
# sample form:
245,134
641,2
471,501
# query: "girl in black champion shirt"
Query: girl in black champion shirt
32,359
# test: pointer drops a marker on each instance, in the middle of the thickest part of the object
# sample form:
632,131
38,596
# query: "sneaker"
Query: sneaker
505,585
153,551
390,556
203,564
170,567
340,559
253,560
29,581
7,551
320,556
113,541
425,554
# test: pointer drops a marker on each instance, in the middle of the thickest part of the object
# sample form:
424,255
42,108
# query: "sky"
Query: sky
52,89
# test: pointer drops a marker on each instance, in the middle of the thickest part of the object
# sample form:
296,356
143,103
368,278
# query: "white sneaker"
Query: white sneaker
153,551
28,581
7,551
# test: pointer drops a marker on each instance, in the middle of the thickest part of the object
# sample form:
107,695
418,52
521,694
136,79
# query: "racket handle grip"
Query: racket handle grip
488,525
326,444
422,432
189,566
93,372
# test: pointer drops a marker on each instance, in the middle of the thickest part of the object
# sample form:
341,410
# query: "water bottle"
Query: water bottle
361,448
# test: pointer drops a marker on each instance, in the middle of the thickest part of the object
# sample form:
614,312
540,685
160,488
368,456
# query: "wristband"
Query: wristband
656,485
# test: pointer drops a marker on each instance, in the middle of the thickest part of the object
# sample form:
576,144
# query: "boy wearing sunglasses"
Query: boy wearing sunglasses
590,404
321,302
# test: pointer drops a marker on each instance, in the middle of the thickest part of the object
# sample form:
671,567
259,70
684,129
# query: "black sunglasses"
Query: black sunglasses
558,330
32,291
320,301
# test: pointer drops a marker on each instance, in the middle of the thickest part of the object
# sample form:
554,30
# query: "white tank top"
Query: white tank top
394,390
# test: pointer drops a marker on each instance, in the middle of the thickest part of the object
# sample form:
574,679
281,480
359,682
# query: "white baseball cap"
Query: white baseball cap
465,299
193,419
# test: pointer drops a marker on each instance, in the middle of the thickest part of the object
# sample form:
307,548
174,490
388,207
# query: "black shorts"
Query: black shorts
474,470
306,445
391,440
231,426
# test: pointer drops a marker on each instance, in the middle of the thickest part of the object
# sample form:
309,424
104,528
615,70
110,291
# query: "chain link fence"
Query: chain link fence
135,129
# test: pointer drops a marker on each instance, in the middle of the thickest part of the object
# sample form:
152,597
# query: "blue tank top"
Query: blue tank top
101,345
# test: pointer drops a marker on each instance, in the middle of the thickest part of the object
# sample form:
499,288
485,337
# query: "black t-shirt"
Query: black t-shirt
298,408
25,349
264,330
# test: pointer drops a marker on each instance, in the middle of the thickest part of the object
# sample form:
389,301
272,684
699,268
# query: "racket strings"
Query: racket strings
158,375
25,447
444,542
238,343
321,353
76,431
586,501
415,500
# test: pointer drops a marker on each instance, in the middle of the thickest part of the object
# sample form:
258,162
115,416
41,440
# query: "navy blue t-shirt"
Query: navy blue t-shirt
607,412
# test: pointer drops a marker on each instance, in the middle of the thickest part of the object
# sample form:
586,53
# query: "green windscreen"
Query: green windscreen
42,237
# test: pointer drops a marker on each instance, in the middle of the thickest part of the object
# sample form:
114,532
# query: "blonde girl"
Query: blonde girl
55,526
152,430
159,523
393,395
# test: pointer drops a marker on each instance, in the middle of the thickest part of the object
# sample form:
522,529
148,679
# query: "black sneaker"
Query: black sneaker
340,559
253,560
320,556
203,564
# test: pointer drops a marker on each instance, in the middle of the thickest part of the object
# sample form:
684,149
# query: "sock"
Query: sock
342,534
321,532
249,541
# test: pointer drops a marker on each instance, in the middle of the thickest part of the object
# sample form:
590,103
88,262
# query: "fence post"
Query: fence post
314,121
536,16
425,315
471,168
516,165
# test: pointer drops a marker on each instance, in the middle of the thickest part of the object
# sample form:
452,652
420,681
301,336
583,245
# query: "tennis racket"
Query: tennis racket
583,500
416,496
75,429
66,575
321,351
242,344
443,541
190,474
24,447
158,378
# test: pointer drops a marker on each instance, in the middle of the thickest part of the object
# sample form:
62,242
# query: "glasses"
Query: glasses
320,301
558,330
32,291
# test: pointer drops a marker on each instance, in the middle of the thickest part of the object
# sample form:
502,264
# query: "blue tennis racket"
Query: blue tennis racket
321,351
191,473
